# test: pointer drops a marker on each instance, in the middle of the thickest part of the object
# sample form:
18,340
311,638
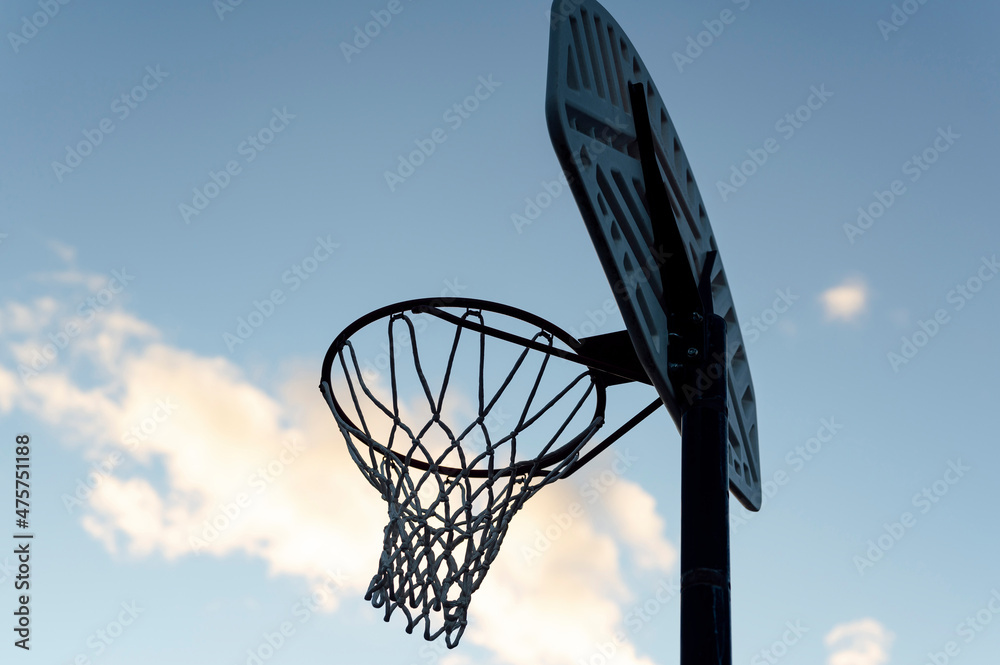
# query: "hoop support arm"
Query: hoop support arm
607,364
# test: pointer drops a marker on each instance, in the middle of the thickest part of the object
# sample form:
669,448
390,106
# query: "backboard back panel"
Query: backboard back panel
591,63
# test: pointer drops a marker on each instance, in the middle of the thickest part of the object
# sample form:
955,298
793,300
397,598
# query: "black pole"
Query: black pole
698,365
706,635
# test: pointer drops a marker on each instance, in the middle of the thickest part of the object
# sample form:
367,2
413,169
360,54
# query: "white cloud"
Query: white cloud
846,301
862,642
633,513
219,440
18,318
65,252
8,388
267,474
555,593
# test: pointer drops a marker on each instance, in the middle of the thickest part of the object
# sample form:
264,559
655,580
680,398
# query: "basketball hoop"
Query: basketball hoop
455,470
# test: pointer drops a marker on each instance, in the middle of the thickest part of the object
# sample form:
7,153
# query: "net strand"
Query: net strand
446,526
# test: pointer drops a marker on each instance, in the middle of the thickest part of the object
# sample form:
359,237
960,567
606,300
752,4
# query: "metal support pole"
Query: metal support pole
706,634
697,353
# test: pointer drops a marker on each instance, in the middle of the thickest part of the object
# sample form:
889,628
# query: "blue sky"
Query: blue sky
288,135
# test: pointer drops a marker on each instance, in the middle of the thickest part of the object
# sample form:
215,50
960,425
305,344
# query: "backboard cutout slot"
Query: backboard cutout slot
588,35
647,317
609,72
581,56
637,214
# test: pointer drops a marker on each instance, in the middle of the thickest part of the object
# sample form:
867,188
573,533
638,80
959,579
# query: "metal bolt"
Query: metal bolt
692,352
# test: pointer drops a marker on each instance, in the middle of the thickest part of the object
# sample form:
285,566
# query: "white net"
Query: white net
453,467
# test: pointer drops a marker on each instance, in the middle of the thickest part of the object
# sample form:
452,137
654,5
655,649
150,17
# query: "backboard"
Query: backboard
590,120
